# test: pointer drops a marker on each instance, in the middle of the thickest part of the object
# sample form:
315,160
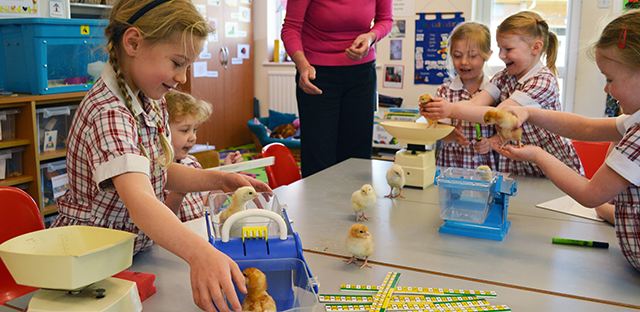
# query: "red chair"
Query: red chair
19,215
592,155
285,169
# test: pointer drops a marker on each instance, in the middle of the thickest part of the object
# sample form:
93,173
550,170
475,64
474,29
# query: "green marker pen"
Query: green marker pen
578,242
478,133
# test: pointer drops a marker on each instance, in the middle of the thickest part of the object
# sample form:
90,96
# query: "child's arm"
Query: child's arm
472,110
603,186
212,272
174,201
187,179
572,126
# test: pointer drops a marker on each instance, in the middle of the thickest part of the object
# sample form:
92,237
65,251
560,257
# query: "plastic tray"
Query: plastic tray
466,194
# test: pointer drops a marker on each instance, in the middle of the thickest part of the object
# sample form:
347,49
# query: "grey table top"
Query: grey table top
174,291
406,234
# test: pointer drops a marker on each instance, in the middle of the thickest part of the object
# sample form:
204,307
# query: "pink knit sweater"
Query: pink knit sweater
324,29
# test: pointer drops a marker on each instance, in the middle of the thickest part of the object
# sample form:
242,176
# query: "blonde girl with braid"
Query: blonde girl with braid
119,157
523,39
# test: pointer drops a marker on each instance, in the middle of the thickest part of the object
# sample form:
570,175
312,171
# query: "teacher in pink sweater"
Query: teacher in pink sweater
331,43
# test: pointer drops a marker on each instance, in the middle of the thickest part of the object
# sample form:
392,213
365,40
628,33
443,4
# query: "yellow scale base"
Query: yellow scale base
419,168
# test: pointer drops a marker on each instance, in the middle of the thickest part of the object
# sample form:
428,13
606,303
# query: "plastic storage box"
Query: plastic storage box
11,162
8,124
261,236
54,181
50,55
466,194
53,127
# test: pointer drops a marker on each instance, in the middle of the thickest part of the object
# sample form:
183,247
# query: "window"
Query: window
558,14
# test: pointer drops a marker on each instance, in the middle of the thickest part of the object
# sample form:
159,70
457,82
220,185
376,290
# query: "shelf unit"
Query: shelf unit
27,136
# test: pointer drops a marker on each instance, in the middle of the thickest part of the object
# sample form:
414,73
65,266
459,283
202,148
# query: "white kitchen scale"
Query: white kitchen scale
73,266
418,159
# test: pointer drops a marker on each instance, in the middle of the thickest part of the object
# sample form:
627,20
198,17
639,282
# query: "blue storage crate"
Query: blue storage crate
50,55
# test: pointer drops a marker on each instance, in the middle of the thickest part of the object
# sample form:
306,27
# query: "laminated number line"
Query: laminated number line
388,297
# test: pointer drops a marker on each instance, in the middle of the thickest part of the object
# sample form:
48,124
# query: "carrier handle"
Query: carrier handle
226,227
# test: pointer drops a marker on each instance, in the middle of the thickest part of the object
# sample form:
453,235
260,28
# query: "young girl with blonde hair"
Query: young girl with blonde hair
469,49
119,158
617,54
523,38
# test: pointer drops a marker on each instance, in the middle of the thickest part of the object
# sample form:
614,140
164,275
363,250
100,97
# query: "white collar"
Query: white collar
536,68
457,85
632,120
109,78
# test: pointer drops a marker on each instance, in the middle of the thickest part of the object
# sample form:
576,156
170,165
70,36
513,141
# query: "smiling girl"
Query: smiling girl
523,38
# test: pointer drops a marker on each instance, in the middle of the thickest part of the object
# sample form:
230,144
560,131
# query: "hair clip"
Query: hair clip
623,38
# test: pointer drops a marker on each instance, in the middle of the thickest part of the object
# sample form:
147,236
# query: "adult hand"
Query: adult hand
360,46
212,273
308,73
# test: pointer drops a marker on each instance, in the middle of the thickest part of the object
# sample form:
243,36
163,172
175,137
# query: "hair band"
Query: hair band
145,9
623,38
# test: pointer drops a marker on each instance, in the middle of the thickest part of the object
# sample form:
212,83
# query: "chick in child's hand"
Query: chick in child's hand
424,99
506,125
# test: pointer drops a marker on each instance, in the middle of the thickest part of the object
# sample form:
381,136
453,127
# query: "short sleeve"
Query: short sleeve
625,159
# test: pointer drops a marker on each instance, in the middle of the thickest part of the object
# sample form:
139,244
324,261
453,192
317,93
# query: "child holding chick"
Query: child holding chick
617,54
523,38
469,49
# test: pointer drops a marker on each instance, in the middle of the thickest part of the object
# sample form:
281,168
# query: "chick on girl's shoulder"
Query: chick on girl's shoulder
617,54
470,48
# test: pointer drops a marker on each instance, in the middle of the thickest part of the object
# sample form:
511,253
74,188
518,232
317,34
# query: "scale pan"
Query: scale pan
67,257
416,133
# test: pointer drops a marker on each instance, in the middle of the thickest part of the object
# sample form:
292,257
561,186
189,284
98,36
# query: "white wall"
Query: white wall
589,96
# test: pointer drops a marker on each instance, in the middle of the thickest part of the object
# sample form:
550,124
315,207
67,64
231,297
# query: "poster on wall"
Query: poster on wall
395,53
393,76
432,37
18,7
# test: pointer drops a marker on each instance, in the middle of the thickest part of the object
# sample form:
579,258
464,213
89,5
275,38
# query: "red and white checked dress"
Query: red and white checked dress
103,143
625,160
538,88
193,203
454,154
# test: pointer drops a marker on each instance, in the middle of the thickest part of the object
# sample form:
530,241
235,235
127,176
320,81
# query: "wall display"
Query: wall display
395,48
432,37
393,75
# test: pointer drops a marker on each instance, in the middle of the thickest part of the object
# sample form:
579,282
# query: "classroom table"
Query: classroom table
174,290
406,235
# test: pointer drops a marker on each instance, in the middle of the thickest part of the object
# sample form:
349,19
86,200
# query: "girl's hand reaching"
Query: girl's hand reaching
525,153
457,136
438,108
212,276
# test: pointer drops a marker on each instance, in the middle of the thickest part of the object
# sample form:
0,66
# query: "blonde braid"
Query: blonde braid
127,97
167,148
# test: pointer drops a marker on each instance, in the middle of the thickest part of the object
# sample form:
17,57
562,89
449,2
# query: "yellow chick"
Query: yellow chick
359,244
362,200
238,202
257,299
484,176
506,124
424,99
396,180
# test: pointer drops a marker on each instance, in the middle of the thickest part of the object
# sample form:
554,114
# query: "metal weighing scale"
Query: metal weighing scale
418,159
73,266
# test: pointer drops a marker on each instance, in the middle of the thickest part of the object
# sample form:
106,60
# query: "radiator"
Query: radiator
282,92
